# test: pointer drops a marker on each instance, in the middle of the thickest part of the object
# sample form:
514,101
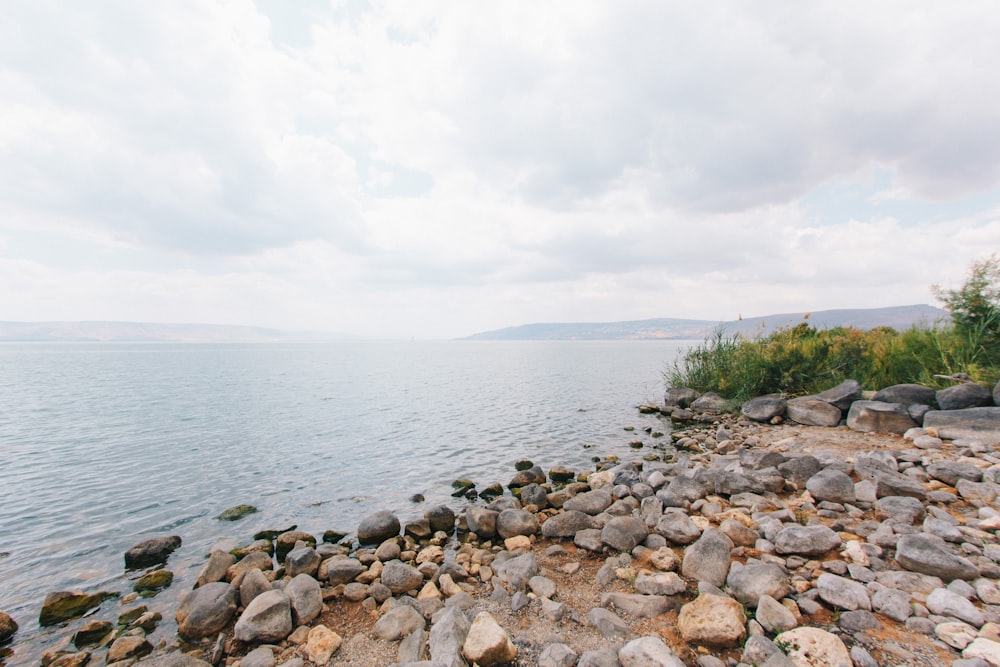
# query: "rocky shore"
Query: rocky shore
779,536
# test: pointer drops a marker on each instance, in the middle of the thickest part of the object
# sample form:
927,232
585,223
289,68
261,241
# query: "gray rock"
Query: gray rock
267,619
832,485
943,602
440,517
378,527
731,483
708,559
843,395
660,583
566,524
302,561
206,610
590,502
541,586
411,647
151,552
446,638
215,569
678,528
342,570
962,396
522,478
638,606
811,411
609,624
709,402
764,408
254,583
773,616
892,603
950,472
806,540
748,583
624,533
842,593
517,572
534,494
589,539
259,657
305,597
879,417
557,655
928,554
481,521
681,397
905,394
400,577
648,652
977,424
605,657
688,488
798,469
400,621
513,522
858,620
900,510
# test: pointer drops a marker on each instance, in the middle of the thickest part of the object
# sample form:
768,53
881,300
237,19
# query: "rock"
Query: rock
589,539
237,512
902,510
487,644
832,485
709,402
962,396
648,652
447,635
660,583
253,584
843,395
153,581
513,522
943,602
517,571
557,655
533,475
929,554
399,622
708,559
984,649
678,528
813,647
905,394
91,633
176,660
858,620
206,610
285,542
773,616
879,417
609,624
748,583
542,587
341,569
305,598
566,524
261,545
215,569
304,560
65,659
590,502
412,647
638,606
533,494
124,648
481,521
712,620
842,593
400,577
259,657
811,411
806,540
970,423
151,552
624,533
681,397
950,472
764,408
378,527
67,605
440,517
798,469
267,619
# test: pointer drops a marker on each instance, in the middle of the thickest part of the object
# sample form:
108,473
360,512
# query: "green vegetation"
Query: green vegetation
802,360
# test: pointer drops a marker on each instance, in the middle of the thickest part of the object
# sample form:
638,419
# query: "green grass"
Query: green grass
803,360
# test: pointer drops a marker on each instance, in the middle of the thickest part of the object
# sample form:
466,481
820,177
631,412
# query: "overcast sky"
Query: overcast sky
434,169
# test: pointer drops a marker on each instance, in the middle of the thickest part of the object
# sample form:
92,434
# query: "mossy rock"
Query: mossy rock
8,627
630,428
523,464
272,534
635,444
130,615
648,409
492,491
333,536
66,605
92,633
236,513
153,581
262,545
462,487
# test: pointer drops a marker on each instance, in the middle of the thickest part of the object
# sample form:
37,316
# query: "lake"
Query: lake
104,445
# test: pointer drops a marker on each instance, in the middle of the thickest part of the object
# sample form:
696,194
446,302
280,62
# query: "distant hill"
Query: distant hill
149,332
897,317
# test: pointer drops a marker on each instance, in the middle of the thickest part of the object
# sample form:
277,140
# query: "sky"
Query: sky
434,169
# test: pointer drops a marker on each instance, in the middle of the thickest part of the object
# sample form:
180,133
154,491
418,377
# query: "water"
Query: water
104,445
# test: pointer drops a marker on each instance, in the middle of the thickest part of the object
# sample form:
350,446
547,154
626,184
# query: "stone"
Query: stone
963,396
63,606
709,402
590,502
624,533
950,472
831,485
678,528
929,554
944,602
773,616
609,624
708,559
400,577
481,521
798,469
984,649
541,586
127,647
858,620
660,583
287,540
842,593
151,552
905,394
487,643
589,539
305,598
341,569
811,411
446,637
566,524
532,475
215,568
512,522
712,620
304,560
638,606
901,510
90,634
153,581
267,619
236,512
517,571
681,397
256,560
398,622
806,540
557,655
254,583
892,603
764,408
843,395
440,517
378,527
955,634
748,583
975,424
259,657
648,652
663,559
814,647
206,610
879,417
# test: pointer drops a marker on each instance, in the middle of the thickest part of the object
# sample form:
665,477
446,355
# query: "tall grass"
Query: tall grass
803,360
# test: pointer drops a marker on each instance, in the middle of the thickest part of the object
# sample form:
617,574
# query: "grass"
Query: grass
803,360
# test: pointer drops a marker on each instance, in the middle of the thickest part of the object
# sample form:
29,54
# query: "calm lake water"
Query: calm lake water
104,445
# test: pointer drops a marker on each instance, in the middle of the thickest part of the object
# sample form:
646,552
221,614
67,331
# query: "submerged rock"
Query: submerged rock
151,552
236,512
67,605
153,581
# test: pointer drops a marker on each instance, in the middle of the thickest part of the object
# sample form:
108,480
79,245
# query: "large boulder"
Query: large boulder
971,423
748,583
764,408
378,527
842,395
929,554
590,502
567,524
447,636
905,394
624,533
811,411
879,417
440,517
832,485
151,552
712,620
708,559
965,395
267,619
306,598
206,610
481,521
400,577
514,522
